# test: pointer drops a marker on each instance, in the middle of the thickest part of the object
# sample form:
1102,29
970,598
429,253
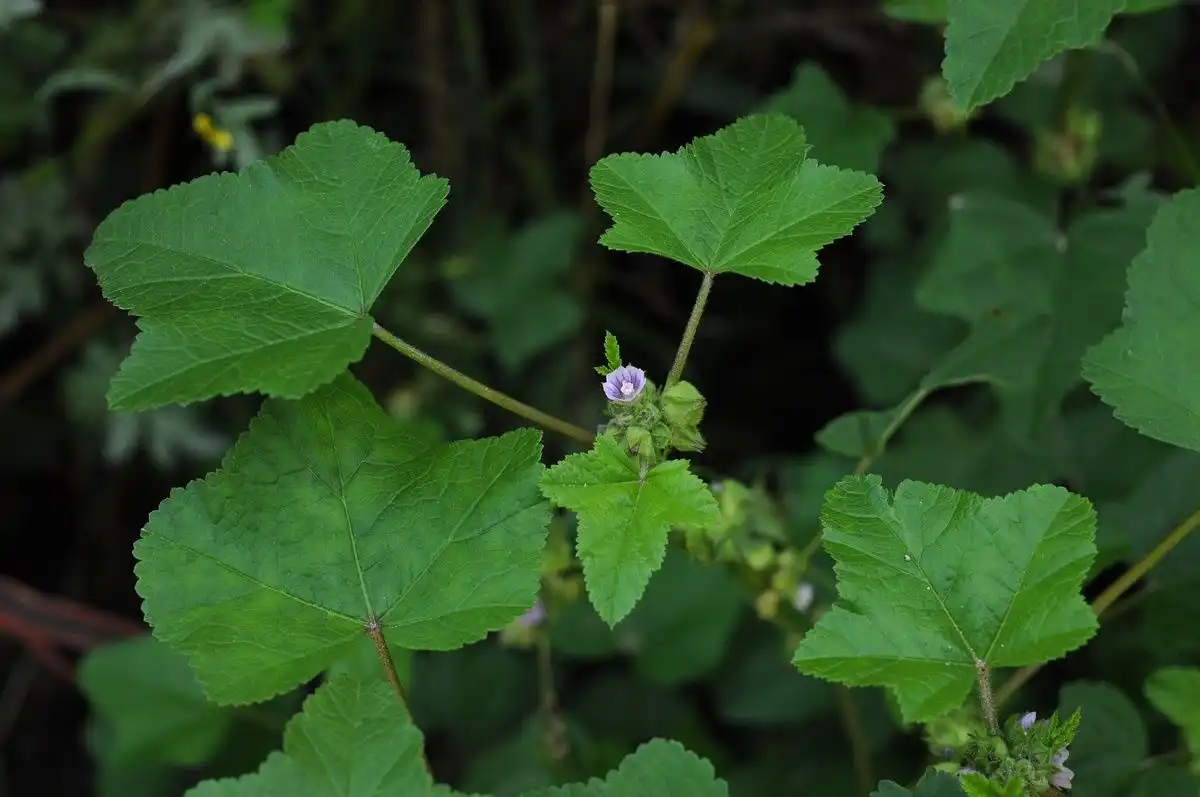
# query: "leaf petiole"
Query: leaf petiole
486,393
689,332
375,631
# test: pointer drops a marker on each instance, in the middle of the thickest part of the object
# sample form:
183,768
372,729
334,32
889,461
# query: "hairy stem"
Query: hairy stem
486,393
689,332
986,702
1110,596
375,631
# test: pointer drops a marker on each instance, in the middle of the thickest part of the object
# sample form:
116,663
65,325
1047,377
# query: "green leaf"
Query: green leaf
744,200
932,784
1035,301
624,520
612,355
325,517
1175,691
515,285
1111,741
976,785
353,739
660,768
937,580
841,134
990,46
861,433
1140,370
155,709
261,280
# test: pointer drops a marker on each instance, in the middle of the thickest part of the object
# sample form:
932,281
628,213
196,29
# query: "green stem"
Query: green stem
486,393
868,457
1110,596
689,332
1134,574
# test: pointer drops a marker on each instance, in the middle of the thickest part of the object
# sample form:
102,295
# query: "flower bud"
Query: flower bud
639,439
936,103
683,405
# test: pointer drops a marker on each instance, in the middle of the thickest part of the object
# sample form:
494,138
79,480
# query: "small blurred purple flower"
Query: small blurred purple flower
1062,778
624,384
533,617
967,771
1027,720
803,598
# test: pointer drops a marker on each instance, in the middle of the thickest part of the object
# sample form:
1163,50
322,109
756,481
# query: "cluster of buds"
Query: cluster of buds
1030,752
750,534
651,422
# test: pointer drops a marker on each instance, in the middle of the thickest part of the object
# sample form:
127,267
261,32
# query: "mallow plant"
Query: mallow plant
328,525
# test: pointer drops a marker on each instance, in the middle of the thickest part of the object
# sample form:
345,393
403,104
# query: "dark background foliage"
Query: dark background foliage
513,100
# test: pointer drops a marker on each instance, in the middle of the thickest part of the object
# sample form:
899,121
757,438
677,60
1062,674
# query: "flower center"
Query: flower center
627,389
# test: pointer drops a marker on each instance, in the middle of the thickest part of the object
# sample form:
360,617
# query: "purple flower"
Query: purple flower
967,771
533,617
1062,778
624,384
1027,720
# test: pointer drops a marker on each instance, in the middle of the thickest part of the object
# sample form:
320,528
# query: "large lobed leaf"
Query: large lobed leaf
324,517
936,581
262,280
1035,301
624,519
991,45
1146,370
353,739
745,200
659,768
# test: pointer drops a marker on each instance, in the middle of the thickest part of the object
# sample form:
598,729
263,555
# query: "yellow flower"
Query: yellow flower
215,137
